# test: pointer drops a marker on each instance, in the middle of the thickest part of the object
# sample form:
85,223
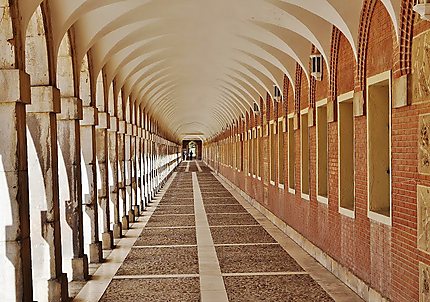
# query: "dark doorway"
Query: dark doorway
192,147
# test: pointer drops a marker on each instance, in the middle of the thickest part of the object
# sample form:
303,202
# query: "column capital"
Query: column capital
103,120
45,99
71,109
129,129
122,127
90,116
139,131
113,123
15,85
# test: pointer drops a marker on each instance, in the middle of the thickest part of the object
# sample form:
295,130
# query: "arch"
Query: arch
39,57
11,37
406,36
365,20
66,78
118,18
379,44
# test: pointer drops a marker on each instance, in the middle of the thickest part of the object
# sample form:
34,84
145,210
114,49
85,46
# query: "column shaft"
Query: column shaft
113,178
122,176
89,171
44,195
69,141
128,173
103,185
15,246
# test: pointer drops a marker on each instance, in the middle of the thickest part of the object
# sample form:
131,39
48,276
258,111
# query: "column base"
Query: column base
58,289
96,252
131,216
136,211
125,223
142,205
117,230
107,240
80,268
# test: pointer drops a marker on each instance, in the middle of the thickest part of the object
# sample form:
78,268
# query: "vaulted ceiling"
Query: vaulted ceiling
196,65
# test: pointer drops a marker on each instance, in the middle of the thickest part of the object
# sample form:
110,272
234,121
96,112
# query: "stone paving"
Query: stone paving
201,244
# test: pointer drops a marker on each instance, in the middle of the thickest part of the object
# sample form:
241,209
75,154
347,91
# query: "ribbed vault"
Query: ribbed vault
197,65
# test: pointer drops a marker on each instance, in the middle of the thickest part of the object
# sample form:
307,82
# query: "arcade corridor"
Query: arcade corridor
249,150
201,241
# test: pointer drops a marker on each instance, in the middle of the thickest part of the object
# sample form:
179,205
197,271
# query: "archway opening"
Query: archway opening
192,149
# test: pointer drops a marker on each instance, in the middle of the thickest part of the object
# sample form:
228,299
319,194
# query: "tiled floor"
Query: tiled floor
200,242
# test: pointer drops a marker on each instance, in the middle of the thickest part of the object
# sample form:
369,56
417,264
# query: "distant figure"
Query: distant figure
184,155
191,155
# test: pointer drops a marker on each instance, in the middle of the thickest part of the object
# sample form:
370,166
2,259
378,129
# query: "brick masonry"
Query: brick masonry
385,257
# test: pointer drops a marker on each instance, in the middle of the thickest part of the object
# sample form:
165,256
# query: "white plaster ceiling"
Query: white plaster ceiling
196,65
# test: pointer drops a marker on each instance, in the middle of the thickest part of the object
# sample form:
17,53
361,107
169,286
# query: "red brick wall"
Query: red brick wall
385,257
304,91
379,56
290,98
346,66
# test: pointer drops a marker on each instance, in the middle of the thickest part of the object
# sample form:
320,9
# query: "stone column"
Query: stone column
88,149
140,172
151,156
44,195
122,174
145,177
134,175
69,140
113,176
15,247
103,196
128,171
156,166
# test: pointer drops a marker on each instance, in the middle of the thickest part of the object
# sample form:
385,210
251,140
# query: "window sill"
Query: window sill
379,218
347,212
322,199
